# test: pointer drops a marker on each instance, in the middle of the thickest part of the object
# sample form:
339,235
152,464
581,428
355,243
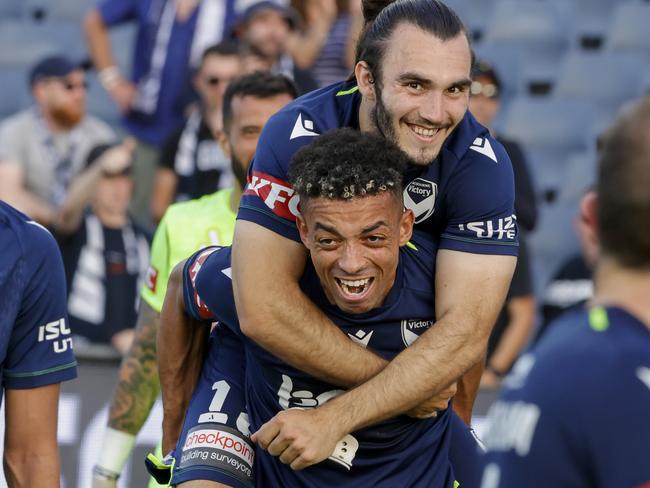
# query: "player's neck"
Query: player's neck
623,287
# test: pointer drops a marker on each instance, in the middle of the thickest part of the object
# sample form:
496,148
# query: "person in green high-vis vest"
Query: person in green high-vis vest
186,227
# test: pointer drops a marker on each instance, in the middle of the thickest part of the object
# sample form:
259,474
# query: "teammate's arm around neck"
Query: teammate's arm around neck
274,312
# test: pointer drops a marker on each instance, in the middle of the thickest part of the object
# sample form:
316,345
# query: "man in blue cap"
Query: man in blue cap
42,148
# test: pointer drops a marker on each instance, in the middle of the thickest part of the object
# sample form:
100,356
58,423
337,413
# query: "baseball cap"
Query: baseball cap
52,66
290,14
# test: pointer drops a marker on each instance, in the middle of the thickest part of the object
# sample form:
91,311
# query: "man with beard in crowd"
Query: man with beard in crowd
44,147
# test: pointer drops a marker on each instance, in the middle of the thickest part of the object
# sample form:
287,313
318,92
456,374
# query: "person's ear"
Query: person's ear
406,226
365,80
303,230
223,141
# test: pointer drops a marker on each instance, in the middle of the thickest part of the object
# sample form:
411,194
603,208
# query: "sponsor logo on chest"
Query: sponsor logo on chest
420,197
414,328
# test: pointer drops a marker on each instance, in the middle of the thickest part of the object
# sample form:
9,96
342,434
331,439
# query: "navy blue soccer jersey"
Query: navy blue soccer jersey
398,452
575,412
465,198
35,343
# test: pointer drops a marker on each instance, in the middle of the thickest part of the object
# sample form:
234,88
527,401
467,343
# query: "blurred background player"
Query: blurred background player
105,253
548,427
171,37
572,285
267,26
516,320
192,162
248,103
329,34
36,349
42,148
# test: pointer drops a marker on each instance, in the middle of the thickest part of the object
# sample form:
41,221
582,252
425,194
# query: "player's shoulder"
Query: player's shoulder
472,142
417,260
584,344
311,115
21,237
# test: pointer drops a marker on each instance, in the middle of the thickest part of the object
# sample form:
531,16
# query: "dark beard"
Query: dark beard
238,170
381,118
66,116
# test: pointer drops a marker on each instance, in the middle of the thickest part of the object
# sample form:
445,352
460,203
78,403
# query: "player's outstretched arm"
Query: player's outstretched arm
470,290
275,313
134,396
31,454
182,343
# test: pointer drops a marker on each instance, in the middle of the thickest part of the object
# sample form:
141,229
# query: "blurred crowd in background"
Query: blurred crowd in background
112,112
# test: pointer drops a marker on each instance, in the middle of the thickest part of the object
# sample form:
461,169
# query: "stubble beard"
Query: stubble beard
382,120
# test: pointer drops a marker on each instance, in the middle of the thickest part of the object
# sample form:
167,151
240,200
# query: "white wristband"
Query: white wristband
115,450
109,76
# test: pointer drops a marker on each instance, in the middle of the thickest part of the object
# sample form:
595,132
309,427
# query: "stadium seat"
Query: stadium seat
630,27
592,17
507,60
549,123
11,9
29,41
549,129
99,104
71,10
15,84
475,14
541,28
553,241
580,175
606,78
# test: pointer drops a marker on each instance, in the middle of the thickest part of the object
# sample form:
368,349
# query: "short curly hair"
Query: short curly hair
344,164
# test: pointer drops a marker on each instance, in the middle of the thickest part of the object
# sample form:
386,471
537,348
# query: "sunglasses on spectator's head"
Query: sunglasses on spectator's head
488,90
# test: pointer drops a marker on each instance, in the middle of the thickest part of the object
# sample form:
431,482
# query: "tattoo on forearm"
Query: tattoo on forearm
138,384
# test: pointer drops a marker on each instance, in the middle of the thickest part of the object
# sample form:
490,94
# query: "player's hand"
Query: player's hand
434,405
299,437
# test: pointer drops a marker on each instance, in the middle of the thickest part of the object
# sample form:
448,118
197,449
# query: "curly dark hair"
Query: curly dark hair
344,164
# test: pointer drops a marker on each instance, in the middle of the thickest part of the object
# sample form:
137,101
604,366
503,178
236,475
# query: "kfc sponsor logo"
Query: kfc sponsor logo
193,272
275,193
151,279
222,440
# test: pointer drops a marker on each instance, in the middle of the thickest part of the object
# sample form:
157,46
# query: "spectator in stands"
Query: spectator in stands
333,26
192,162
515,322
572,285
44,147
171,37
269,27
104,253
